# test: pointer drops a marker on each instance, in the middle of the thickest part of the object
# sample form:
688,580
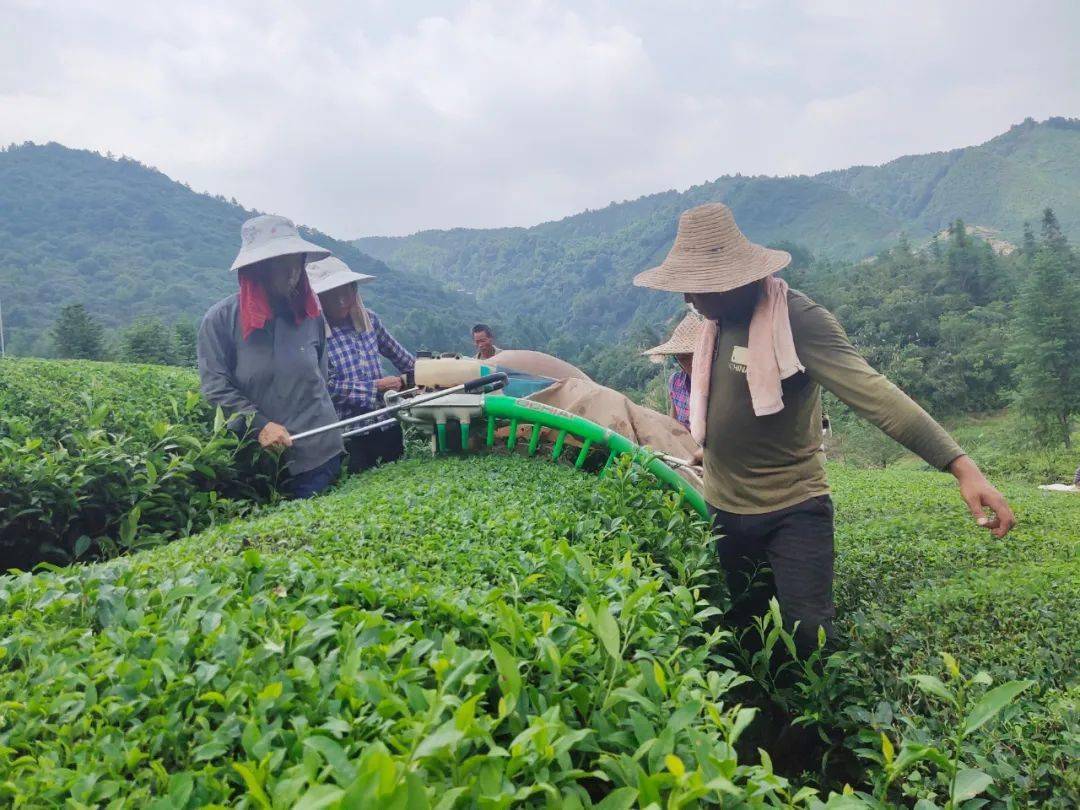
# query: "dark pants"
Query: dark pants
311,482
787,554
375,448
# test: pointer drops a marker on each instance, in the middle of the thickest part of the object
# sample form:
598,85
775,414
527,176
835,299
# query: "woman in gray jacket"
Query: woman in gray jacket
262,353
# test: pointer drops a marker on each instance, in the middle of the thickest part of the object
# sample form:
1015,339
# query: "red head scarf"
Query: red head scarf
255,309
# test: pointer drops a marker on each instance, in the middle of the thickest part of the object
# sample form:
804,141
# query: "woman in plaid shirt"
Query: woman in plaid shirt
679,390
355,343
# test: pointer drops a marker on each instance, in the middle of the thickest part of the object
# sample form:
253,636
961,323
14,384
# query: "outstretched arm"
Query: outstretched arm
833,362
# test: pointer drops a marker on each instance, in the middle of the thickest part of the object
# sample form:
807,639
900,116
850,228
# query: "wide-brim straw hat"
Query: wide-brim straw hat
269,236
682,341
711,254
331,272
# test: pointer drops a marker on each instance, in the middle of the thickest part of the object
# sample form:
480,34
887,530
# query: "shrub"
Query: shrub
84,479
915,577
49,398
364,649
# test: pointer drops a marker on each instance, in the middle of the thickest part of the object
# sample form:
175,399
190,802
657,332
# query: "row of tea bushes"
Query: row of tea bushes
96,458
480,632
487,632
49,398
916,577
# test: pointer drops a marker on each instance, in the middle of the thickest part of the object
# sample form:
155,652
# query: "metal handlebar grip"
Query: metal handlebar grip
496,381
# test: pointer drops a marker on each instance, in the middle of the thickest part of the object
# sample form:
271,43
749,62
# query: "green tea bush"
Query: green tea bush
486,632
914,578
98,458
50,398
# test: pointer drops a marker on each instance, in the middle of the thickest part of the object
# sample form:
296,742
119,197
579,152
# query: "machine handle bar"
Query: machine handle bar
492,382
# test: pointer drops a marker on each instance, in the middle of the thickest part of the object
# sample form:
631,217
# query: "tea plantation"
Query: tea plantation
500,631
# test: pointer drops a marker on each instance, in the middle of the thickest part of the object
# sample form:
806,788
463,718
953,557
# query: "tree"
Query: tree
185,338
77,335
147,341
1052,236
1046,342
1030,246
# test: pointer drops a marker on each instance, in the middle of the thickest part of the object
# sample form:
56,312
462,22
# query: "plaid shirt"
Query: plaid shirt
355,366
679,389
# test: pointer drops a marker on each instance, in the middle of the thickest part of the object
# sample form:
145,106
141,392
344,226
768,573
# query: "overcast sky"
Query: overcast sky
387,117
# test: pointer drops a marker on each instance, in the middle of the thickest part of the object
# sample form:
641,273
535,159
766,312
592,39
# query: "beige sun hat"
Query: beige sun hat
268,236
326,274
682,341
711,254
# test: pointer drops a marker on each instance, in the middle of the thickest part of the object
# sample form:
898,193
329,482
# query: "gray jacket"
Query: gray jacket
278,375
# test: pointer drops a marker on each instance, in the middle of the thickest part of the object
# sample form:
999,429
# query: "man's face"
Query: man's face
282,274
337,302
482,341
737,304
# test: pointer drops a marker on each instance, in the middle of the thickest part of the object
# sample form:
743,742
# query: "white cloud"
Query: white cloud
380,117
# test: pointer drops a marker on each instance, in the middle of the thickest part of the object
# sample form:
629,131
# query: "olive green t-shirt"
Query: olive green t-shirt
756,464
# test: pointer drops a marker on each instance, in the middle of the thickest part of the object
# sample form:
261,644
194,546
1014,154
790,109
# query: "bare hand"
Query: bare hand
388,383
274,436
698,458
980,495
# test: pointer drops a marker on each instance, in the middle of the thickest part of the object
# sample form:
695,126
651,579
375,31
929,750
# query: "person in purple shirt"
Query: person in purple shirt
680,346
355,345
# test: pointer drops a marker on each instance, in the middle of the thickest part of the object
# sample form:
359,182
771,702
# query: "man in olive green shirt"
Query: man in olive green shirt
765,475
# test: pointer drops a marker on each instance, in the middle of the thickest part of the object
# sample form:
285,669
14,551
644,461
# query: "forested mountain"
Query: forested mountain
128,242
571,279
1002,184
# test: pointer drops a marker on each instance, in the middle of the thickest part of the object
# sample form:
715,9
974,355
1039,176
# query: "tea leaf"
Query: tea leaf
993,702
319,797
933,686
969,784
607,629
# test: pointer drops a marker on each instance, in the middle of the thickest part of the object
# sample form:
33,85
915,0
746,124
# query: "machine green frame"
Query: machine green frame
517,412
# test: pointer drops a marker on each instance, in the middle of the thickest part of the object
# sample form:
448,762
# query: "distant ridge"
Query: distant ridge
127,241
573,275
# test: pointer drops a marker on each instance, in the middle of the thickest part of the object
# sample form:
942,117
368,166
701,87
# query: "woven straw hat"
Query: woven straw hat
682,341
268,236
711,254
331,272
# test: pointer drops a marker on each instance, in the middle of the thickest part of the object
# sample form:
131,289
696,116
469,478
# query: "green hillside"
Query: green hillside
1001,184
573,276
128,241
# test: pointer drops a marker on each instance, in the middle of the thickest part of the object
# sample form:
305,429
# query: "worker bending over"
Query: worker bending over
262,353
